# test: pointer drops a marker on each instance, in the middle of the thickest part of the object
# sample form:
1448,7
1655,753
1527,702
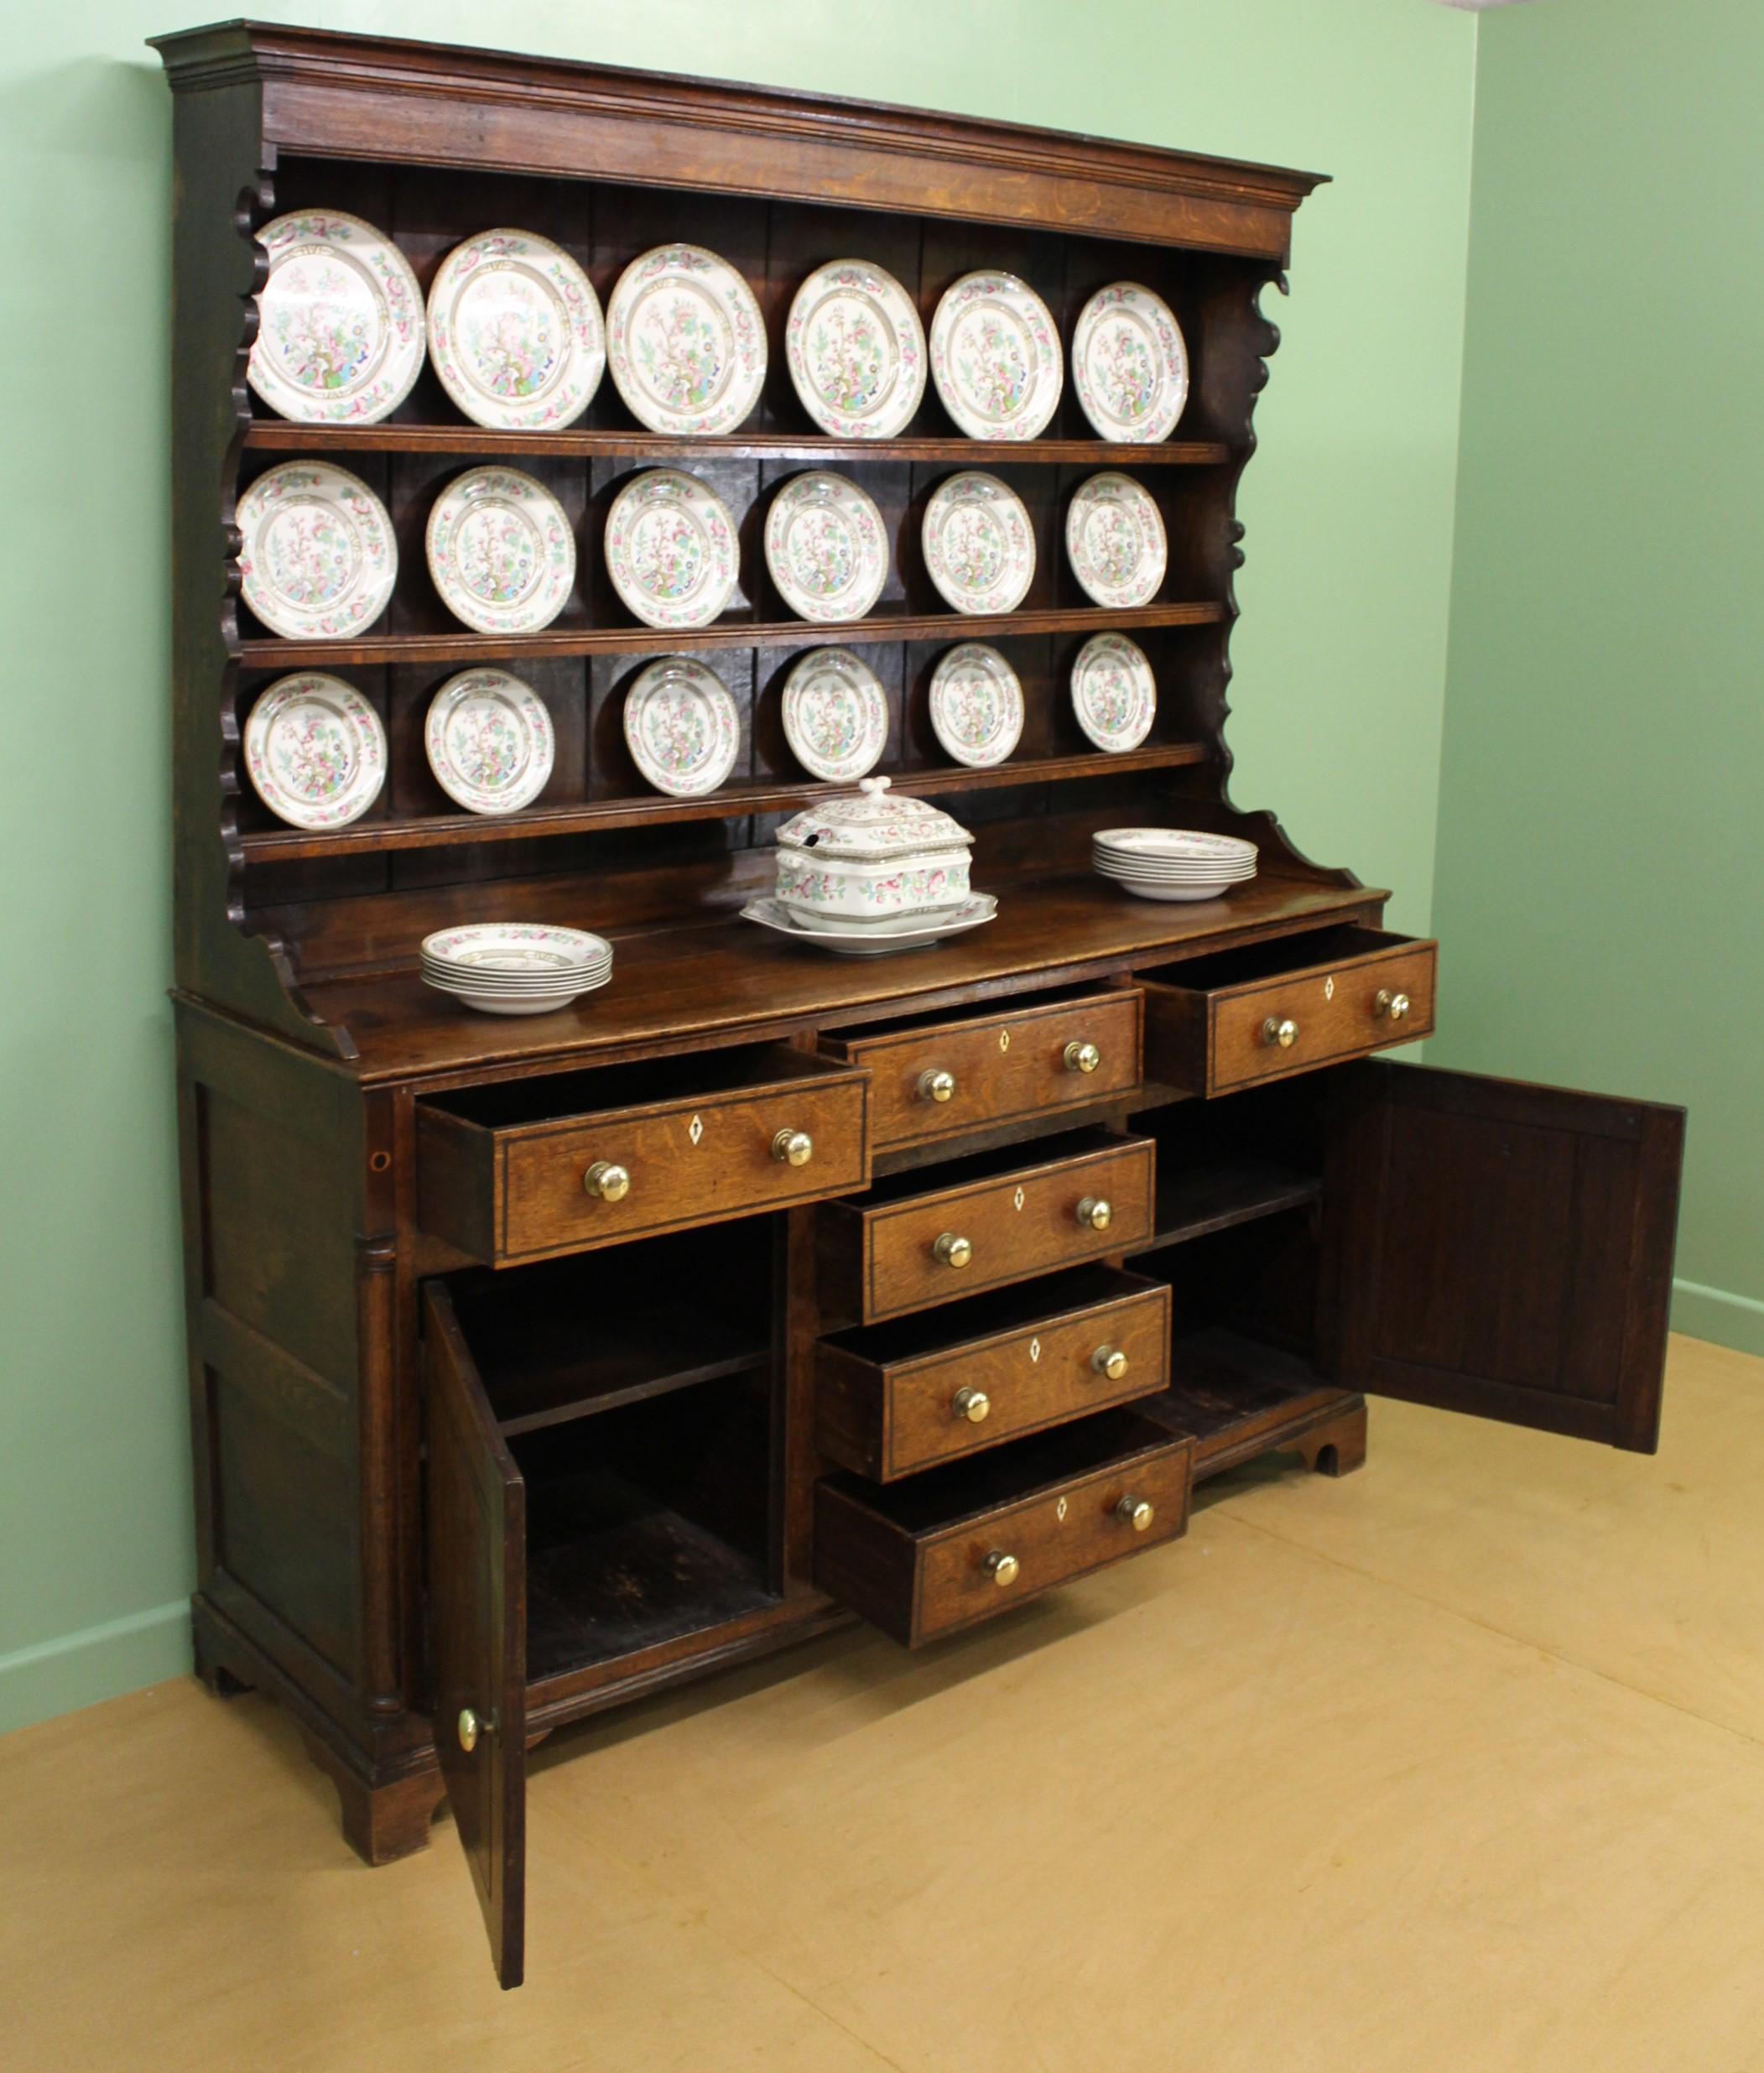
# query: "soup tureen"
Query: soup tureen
871,859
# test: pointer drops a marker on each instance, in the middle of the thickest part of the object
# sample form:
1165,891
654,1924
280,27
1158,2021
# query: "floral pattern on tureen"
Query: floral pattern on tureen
314,751
976,705
996,357
317,556
979,545
515,332
489,741
826,547
682,726
1115,541
671,549
835,714
873,823
855,351
685,341
871,857
1129,364
339,321
1114,693
501,551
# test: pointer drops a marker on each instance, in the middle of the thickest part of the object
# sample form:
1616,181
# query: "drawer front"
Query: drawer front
889,1418
1338,1013
999,1068
1020,1224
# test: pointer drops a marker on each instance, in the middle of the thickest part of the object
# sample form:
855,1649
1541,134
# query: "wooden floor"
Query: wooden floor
1458,1764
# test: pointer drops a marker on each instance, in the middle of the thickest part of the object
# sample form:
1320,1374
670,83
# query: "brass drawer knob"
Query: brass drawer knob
1110,1361
1393,1006
935,1085
1004,1569
1136,1512
611,1183
954,1251
972,1404
1281,1030
472,1724
1096,1212
1082,1057
793,1148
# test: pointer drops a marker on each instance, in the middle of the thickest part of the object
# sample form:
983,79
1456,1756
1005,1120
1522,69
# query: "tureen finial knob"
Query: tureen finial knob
875,786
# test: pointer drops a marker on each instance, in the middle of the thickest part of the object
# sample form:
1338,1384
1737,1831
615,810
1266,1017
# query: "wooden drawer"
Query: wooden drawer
894,1399
990,1219
941,1078
942,1550
1278,1008
510,1171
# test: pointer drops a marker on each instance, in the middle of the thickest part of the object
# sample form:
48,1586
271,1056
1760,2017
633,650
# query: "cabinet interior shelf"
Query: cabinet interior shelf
1195,1202
773,795
272,435
1239,1397
464,646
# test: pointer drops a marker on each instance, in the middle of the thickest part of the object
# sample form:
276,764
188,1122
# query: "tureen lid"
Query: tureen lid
871,824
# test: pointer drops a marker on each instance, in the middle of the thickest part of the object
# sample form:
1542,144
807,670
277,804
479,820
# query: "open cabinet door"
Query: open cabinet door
1502,1248
477,1629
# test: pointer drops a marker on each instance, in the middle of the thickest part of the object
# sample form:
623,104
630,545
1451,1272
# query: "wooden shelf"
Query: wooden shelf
273,436
438,830
1194,1202
1240,1397
464,646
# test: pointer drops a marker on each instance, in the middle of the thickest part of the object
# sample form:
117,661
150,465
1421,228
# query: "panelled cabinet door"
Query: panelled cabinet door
477,1629
1502,1248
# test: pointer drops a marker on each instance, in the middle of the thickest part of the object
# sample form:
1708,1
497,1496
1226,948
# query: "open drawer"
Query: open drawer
898,1397
957,1544
1264,1013
521,1169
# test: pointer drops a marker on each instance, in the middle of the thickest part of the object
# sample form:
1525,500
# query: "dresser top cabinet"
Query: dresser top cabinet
538,1362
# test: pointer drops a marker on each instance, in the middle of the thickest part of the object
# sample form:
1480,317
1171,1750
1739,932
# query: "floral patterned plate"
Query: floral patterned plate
1129,364
835,714
1115,541
826,547
681,726
317,558
340,323
685,342
856,351
314,751
861,942
996,357
979,545
501,551
490,741
1114,694
515,332
671,549
976,705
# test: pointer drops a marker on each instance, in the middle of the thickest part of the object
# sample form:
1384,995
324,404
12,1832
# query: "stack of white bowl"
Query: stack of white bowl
1171,863
515,968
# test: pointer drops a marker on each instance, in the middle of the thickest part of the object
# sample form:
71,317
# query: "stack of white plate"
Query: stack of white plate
515,968
1171,863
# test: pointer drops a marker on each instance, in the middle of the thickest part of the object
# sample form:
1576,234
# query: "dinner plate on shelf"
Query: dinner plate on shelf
489,741
996,357
979,545
685,342
826,547
682,726
339,321
835,715
671,549
1129,364
1114,694
1116,542
976,705
317,556
515,331
314,751
501,551
855,351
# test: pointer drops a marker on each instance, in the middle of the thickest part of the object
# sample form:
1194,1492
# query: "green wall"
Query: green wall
1340,660
1599,885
